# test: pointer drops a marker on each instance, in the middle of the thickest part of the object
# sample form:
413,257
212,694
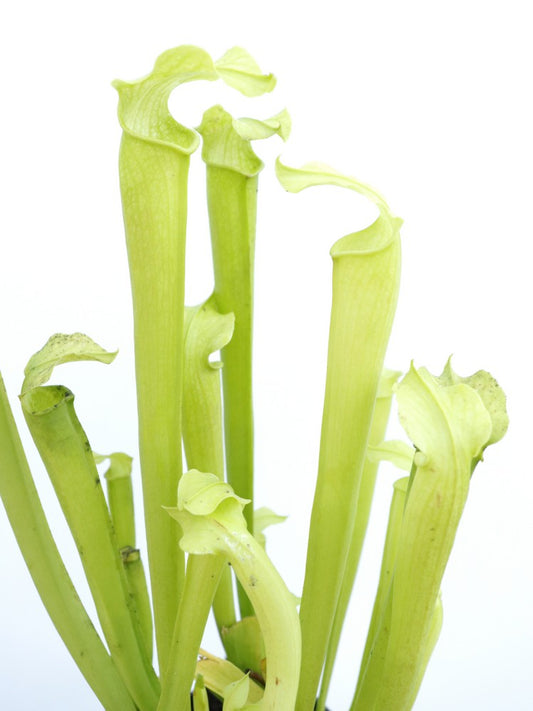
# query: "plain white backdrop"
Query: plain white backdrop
428,102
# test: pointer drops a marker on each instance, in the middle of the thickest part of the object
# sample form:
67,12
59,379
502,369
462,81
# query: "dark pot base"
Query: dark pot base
215,704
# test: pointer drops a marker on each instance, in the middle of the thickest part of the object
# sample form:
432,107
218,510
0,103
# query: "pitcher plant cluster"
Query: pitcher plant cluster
205,535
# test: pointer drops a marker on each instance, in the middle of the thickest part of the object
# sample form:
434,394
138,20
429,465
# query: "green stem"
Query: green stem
232,169
156,252
450,425
199,696
206,331
365,287
48,572
430,641
233,291
121,506
366,267
139,595
154,164
378,632
232,205
364,502
66,453
201,581
232,178
224,603
120,497
232,220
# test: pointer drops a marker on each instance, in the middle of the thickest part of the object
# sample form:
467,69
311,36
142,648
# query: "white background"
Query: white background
430,103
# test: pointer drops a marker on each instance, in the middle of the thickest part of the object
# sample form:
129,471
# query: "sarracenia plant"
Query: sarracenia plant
204,531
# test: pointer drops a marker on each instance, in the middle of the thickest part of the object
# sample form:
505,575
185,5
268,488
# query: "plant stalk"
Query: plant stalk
67,455
154,165
364,502
48,571
366,269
